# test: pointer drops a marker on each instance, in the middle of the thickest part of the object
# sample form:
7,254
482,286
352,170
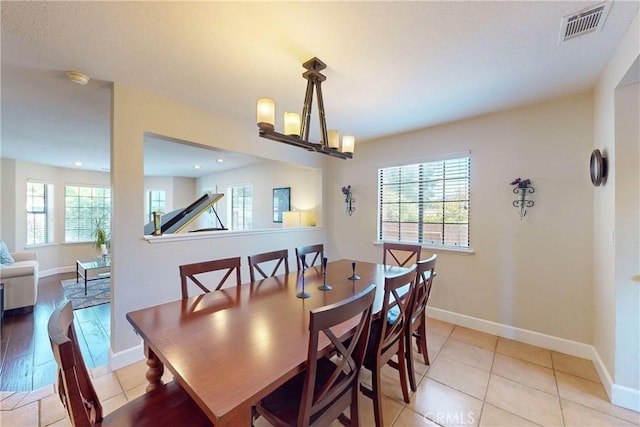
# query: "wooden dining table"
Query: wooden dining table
230,348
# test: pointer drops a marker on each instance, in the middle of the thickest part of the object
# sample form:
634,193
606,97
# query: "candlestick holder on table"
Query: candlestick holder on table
302,293
354,276
324,286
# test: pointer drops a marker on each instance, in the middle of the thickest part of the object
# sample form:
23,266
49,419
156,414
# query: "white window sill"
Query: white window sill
172,237
450,249
39,245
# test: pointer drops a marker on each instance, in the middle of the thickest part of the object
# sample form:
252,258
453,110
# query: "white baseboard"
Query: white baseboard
618,395
562,345
125,358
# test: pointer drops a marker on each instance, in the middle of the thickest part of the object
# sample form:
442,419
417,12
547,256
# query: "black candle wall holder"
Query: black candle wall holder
522,189
349,200
522,203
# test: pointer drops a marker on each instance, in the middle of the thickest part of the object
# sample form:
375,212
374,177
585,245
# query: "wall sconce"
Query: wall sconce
522,188
349,200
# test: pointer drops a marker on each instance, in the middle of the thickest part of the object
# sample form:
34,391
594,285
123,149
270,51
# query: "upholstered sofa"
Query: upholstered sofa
20,281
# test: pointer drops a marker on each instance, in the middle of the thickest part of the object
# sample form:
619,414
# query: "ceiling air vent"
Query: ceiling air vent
583,22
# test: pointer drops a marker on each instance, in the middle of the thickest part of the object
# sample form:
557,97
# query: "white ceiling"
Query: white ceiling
392,66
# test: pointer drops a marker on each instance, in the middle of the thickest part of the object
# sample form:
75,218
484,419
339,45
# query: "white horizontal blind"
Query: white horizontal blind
426,203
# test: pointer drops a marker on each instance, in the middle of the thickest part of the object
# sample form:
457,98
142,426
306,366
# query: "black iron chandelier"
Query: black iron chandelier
296,132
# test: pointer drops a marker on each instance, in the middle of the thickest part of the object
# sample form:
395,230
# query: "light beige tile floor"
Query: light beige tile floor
475,379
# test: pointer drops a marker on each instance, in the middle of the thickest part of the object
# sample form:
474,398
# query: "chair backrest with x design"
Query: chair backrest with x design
416,326
168,404
330,384
309,261
74,384
190,271
322,387
398,295
425,273
279,258
400,254
388,337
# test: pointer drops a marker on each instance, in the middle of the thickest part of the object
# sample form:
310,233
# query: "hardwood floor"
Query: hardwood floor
25,353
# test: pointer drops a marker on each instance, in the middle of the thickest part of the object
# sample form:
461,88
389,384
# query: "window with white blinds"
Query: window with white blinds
39,213
426,203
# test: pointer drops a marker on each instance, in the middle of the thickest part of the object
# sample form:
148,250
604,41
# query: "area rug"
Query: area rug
98,292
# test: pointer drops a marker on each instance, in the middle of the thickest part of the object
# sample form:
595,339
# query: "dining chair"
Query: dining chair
416,326
400,254
317,251
281,257
168,404
190,271
328,385
387,338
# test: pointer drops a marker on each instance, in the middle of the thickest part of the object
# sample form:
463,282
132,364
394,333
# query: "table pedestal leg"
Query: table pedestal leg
155,371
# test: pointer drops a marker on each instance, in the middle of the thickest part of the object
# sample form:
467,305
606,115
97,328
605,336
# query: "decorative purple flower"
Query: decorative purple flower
346,190
521,183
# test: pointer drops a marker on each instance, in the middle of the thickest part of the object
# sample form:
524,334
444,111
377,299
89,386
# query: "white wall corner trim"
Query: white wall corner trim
126,357
618,395
625,397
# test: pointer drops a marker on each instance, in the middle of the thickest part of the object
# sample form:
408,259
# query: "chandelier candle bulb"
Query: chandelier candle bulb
266,113
348,143
292,124
334,139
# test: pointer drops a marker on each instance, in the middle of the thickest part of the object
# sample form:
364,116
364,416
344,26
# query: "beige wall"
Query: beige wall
607,318
305,184
145,274
534,273
8,203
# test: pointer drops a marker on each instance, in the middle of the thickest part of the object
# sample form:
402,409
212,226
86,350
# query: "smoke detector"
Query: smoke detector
78,77
583,22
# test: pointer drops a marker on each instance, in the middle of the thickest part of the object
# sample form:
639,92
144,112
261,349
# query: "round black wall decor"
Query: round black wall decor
597,167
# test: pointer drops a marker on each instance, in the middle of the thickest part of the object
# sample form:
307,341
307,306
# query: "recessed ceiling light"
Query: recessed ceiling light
220,160
196,167
77,163
78,77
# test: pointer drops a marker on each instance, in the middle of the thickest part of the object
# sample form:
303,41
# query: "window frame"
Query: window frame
87,234
421,201
247,212
152,203
47,213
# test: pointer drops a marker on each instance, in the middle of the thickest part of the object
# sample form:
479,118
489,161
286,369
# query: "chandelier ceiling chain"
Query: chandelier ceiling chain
296,132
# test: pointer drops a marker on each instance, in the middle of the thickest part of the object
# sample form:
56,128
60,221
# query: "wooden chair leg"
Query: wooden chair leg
355,411
377,396
409,357
421,341
403,372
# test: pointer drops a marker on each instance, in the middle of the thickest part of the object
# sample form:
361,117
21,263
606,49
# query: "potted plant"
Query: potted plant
101,237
